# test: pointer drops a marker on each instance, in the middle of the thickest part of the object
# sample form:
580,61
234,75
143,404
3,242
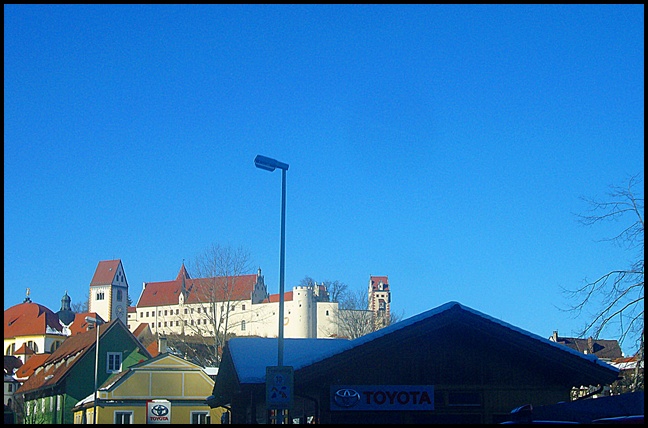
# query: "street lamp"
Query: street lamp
270,165
97,322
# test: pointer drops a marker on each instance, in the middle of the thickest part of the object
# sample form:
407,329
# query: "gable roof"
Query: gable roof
30,318
250,356
602,348
60,362
27,369
198,290
105,272
163,362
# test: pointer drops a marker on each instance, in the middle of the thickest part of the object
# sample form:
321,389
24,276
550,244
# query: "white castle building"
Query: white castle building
240,305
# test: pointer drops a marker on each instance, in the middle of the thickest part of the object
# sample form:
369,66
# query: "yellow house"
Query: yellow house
171,381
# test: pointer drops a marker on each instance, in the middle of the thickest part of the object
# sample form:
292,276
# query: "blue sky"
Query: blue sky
446,147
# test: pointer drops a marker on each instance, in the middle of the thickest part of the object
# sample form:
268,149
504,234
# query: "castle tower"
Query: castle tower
379,297
109,291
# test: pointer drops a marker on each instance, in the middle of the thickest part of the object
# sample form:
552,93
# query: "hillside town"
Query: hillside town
199,348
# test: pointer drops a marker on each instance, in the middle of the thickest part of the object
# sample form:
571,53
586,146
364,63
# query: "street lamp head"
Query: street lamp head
269,164
93,320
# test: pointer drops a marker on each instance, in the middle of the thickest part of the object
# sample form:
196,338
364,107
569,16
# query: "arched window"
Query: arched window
33,346
119,295
10,349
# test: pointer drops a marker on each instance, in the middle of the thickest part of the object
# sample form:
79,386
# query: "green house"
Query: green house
67,375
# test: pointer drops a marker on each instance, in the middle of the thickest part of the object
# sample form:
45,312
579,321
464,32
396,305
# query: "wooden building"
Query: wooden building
451,364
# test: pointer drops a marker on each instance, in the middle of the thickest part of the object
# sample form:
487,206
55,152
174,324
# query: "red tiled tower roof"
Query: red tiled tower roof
375,280
30,319
105,272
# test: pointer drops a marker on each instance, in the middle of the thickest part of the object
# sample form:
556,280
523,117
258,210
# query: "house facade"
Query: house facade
67,375
167,380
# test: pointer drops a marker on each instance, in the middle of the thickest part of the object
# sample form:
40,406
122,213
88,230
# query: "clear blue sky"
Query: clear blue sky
447,147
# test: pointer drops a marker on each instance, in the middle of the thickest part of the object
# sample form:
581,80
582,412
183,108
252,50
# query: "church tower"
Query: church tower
379,297
109,291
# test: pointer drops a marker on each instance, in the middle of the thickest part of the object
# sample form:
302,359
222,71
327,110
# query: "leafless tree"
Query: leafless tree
208,321
337,290
618,295
354,317
80,307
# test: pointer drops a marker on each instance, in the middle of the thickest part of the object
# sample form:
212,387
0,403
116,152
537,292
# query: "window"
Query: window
10,387
51,400
119,295
185,322
123,417
100,295
200,418
198,310
185,311
159,313
177,323
10,349
464,399
177,311
159,323
32,345
147,313
114,362
165,323
243,325
165,312
54,346
59,398
242,307
141,314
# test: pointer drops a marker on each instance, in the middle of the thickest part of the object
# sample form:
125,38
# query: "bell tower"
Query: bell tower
109,291
379,297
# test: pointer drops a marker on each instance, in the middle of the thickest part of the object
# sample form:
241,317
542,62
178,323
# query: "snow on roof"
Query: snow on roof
252,355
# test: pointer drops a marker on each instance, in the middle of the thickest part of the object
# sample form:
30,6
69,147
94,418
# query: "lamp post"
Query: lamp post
97,322
270,165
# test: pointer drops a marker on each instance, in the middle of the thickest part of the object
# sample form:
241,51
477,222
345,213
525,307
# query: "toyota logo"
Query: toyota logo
346,397
159,410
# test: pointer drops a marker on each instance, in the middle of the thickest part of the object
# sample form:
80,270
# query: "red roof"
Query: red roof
140,329
80,325
153,349
218,289
29,318
105,272
375,280
24,350
288,296
34,362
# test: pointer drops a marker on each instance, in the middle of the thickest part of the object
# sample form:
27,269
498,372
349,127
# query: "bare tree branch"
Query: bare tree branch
616,298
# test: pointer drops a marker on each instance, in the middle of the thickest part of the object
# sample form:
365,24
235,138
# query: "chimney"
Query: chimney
162,345
554,336
590,345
